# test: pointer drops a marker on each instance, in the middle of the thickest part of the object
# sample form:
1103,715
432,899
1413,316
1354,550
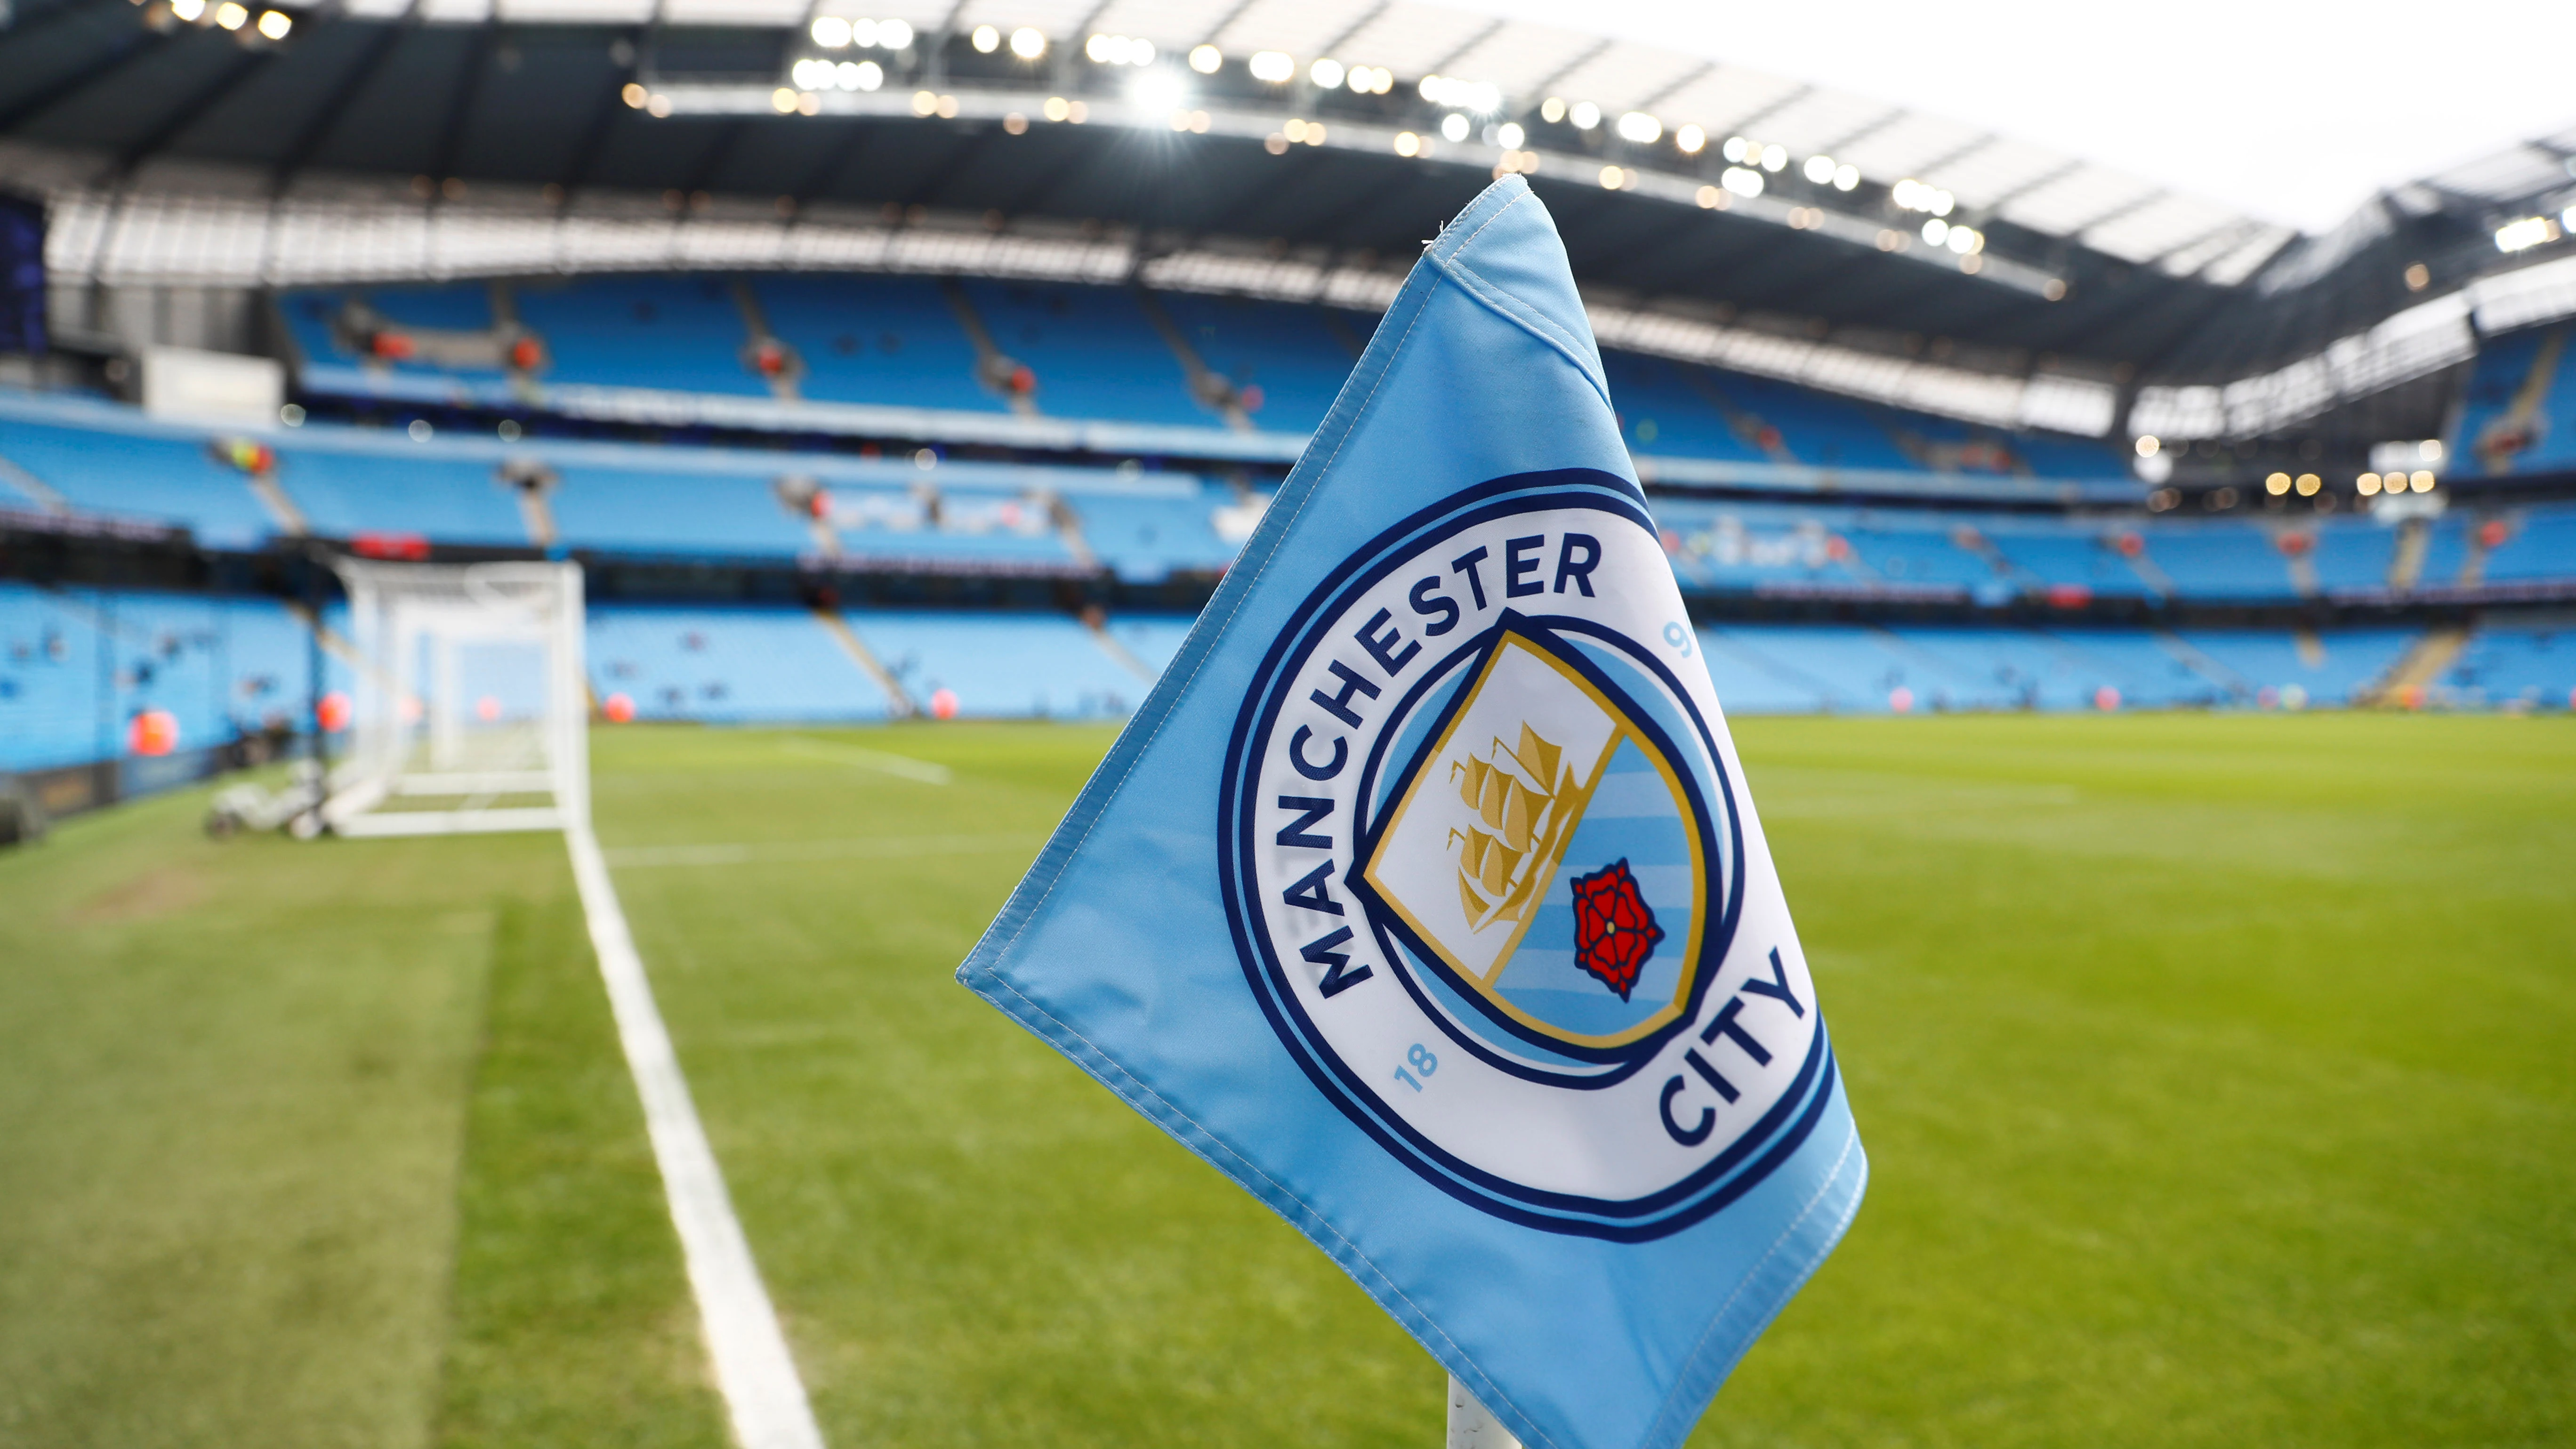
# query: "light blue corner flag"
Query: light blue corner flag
1424,897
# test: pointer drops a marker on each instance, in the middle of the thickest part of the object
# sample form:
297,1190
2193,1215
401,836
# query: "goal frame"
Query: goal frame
407,739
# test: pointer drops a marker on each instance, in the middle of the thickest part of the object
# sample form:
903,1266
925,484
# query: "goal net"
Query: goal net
468,710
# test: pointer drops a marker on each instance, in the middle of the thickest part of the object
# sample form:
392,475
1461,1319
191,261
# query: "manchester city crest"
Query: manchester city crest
1484,857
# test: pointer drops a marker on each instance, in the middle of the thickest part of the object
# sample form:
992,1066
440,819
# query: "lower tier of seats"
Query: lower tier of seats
80,667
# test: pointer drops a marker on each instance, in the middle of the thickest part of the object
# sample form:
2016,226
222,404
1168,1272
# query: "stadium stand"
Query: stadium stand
1105,354
2518,412
77,665
1093,349
681,333
889,340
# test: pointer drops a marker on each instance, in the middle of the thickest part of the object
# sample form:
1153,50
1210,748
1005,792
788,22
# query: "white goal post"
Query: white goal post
468,707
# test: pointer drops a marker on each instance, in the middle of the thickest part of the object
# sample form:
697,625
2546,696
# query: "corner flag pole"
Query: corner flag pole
1471,1426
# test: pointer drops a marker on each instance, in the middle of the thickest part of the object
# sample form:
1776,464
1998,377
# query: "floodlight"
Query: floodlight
1027,43
1327,73
1206,59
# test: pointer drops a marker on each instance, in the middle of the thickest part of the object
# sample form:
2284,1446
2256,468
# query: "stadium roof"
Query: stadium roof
1199,137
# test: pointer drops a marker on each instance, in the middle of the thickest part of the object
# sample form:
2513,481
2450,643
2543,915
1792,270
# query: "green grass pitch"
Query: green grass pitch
2218,1075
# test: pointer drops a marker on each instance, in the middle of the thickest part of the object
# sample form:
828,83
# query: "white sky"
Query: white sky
2292,112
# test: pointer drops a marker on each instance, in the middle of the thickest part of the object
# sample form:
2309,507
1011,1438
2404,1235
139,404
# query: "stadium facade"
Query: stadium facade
935,358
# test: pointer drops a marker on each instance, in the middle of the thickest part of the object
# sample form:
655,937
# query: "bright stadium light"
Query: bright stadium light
1819,170
2309,483
1407,144
1509,135
188,10
831,32
1552,110
1846,177
1584,114
893,34
1207,59
1482,98
2366,485
865,75
1157,90
1689,140
1775,158
274,24
231,15
1935,232
1453,128
1027,43
1273,67
2149,445
2523,235
1327,73
1640,129
2277,485
1742,180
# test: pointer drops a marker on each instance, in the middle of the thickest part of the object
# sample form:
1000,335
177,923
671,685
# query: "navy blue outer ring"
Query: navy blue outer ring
1775,1137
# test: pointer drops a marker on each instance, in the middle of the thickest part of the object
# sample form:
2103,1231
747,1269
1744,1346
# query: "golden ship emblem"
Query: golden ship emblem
1525,802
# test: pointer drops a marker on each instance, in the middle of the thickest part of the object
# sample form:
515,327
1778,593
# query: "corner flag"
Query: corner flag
1424,897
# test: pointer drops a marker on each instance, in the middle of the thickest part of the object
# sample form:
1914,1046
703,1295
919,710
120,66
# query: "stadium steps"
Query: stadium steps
2406,565
535,494
2414,671
992,365
899,704
281,508
755,326
1098,626
1205,385
36,489
2199,662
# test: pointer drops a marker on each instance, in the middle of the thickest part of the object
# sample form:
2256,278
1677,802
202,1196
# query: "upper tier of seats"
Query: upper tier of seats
717,504
1102,354
2518,414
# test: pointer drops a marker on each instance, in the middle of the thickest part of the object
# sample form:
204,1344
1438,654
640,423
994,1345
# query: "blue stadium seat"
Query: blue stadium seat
453,500
673,514
77,664
892,341
1287,351
736,664
2517,664
1003,665
1093,350
682,333
140,474
2541,544
1662,413
2488,441
2345,659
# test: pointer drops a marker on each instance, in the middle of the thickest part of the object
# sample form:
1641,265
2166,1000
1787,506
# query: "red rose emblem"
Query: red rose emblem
1614,929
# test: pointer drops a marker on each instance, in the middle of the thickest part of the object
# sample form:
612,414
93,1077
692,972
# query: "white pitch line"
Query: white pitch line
753,1369
875,846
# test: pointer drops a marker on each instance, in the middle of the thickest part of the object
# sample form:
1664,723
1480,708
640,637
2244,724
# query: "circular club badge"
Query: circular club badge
1487,872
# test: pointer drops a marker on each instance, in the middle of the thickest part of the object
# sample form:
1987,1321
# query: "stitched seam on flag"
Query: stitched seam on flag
1682,1382
1521,313
1149,1099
